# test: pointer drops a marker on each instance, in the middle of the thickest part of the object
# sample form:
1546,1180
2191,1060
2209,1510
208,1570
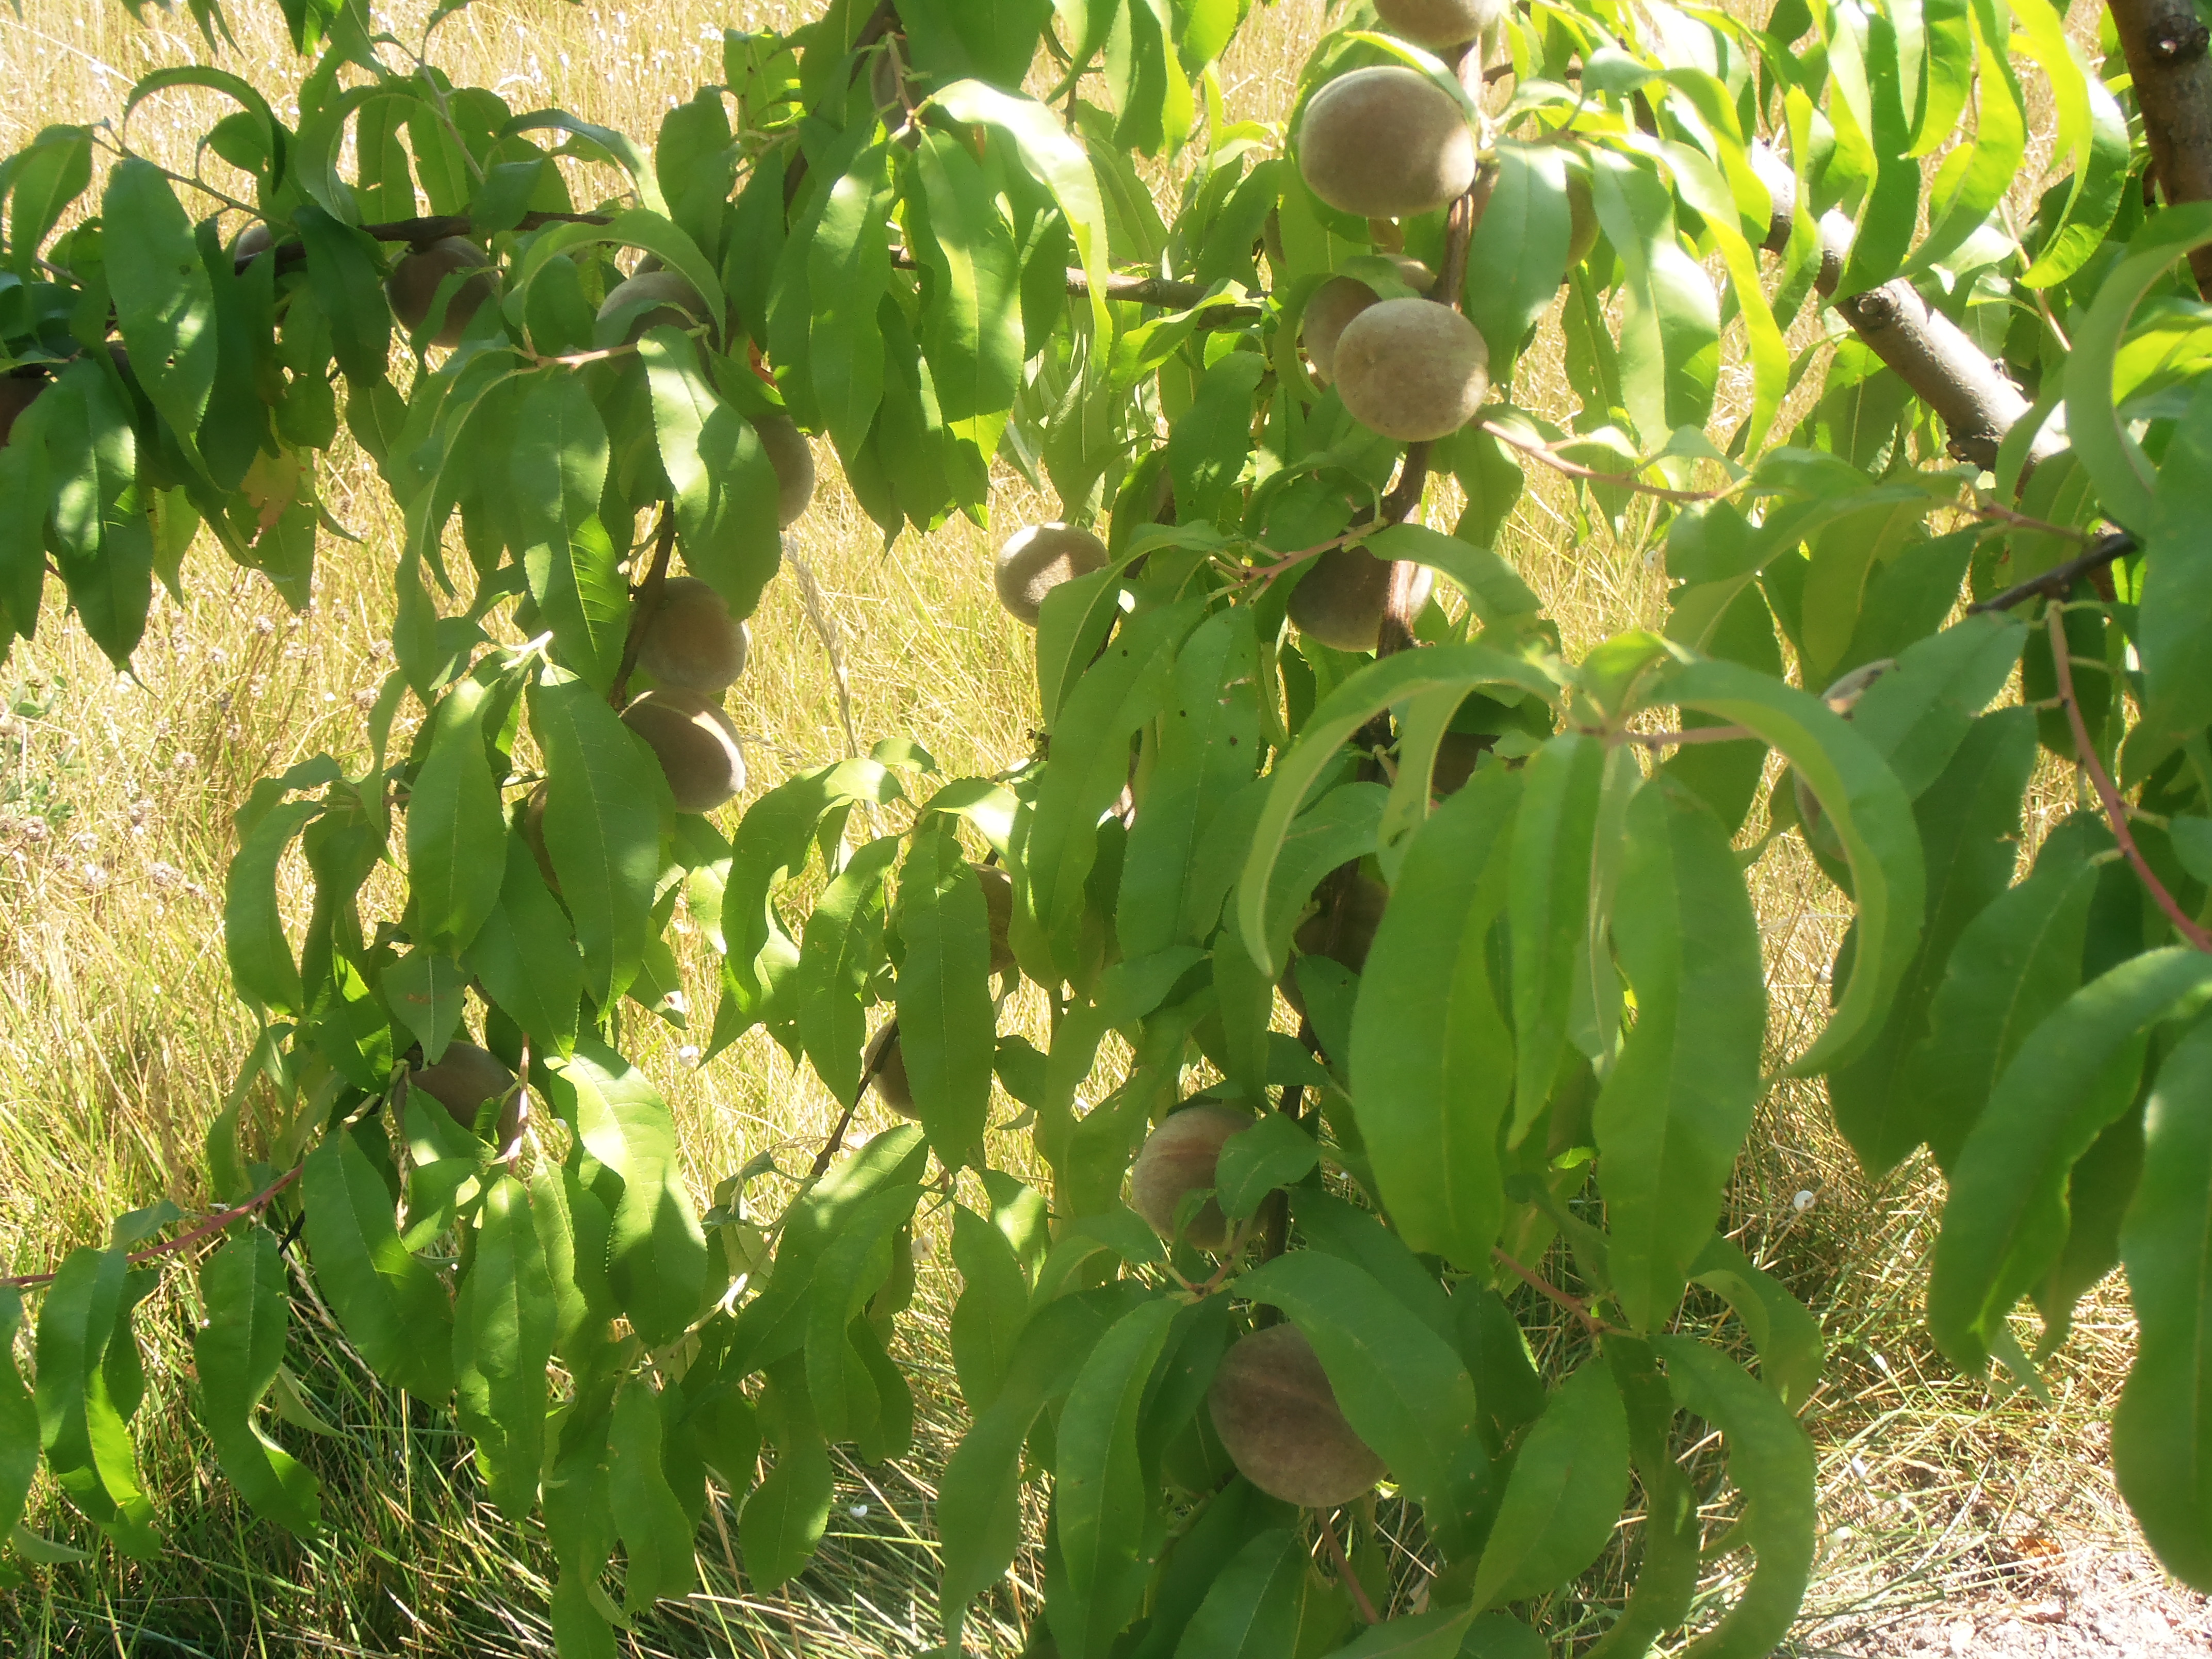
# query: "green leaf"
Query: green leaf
1919,712
164,298
1678,1102
1518,256
238,1350
1102,1505
393,1309
1673,1537
89,1384
1401,1386
2122,473
1431,1054
1872,816
2013,964
1549,909
1782,1328
1494,589
260,957
993,1307
1770,1462
785,1518
19,1418
655,1533
1564,1495
1273,1152
848,269
726,486
656,1255
2004,1222
557,463
2172,631
524,956
1671,322
2162,1446
856,1262
1050,153
604,801
1969,833
40,182
456,836
1252,1610
2092,133
1352,705
948,1034
842,949
98,529
971,315
1211,444
513,1313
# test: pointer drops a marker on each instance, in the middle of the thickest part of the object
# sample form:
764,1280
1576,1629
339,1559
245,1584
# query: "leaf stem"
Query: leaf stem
214,1223
2057,582
1345,1575
1538,1282
646,605
1559,463
2116,809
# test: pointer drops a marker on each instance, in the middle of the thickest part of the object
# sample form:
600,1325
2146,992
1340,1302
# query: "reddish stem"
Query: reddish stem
214,1223
1345,1575
2115,810
1538,1282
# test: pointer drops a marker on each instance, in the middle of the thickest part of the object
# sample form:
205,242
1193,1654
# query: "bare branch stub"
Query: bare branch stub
2169,54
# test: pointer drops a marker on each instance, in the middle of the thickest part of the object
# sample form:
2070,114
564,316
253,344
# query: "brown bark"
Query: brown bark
2166,43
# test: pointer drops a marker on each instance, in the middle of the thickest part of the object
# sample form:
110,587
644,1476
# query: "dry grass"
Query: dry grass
118,1038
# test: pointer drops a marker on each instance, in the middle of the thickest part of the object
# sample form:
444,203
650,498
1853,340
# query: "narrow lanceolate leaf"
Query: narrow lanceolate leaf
1519,253
237,1351
656,1535
19,1418
1678,1102
605,799
1871,813
2162,1431
843,948
558,465
261,962
1564,1495
992,1308
2175,629
525,957
1431,1055
1670,323
2014,963
972,327
1208,748
845,1400
725,484
1252,1610
514,1311
1770,1461
164,299
1782,1328
393,1309
656,1256
1102,1505
785,1518
848,268
1401,1386
1549,909
948,1034
1969,822
979,1501
89,1385
1667,1575
2004,1223
456,837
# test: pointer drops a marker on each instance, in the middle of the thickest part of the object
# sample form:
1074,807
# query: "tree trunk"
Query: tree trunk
2164,41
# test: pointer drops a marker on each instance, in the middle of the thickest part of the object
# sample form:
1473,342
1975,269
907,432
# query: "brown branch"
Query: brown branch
881,22
836,1144
214,1223
1163,292
1537,1281
2116,809
2166,43
1677,739
645,605
1345,1575
2057,582
422,232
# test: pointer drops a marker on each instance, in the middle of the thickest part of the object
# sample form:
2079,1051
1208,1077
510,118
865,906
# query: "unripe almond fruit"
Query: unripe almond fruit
464,1078
697,745
1386,143
792,457
1439,23
413,286
1412,369
1036,559
252,242
885,1067
657,299
1274,1410
999,906
1180,1157
1341,599
1334,305
533,835
692,642
1582,218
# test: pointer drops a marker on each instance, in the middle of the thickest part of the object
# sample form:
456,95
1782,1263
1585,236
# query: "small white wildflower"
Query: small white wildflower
688,1053
859,1511
264,627
184,761
84,843
330,696
93,877
163,874
34,829
364,699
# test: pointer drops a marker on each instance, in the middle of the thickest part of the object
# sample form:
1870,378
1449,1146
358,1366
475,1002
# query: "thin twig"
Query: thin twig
1537,1281
1677,740
2028,521
1577,470
1345,1575
214,1223
644,606
818,616
2057,582
836,1144
2115,810
1163,292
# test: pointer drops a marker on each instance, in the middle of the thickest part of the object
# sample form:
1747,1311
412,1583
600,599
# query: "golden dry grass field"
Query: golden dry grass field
1954,1523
